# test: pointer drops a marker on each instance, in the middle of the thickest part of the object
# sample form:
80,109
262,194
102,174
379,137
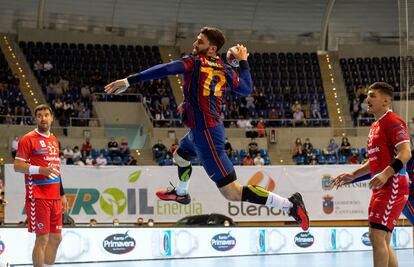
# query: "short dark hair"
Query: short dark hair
214,36
43,107
383,87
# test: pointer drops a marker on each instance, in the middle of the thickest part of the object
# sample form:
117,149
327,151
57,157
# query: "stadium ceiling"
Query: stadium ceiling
175,19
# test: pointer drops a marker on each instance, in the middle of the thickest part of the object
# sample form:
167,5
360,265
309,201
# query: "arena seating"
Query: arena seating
12,102
282,78
94,66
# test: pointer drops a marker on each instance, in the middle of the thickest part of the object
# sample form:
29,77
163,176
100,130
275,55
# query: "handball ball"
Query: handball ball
231,59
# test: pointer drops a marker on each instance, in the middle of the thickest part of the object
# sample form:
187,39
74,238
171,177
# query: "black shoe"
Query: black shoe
298,211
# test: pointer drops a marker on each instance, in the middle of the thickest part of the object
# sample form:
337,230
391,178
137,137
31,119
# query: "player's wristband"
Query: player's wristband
133,79
244,64
397,165
34,169
62,191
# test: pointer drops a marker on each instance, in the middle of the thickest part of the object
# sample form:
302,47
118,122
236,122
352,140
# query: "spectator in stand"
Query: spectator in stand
364,110
307,147
273,115
38,67
77,156
58,108
355,110
250,102
47,67
89,161
123,148
298,118
261,132
314,160
167,161
150,223
93,123
253,148
140,222
93,222
101,160
68,154
113,147
14,146
86,148
354,159
258,160
132,161
315,109
345,147
115,222
332,148
296,107
298,149
62,158
85,92
84,116
96,78
364,158
158,150
248,161
228,148
246,124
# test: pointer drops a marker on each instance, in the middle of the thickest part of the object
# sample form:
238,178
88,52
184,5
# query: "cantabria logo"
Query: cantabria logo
113,201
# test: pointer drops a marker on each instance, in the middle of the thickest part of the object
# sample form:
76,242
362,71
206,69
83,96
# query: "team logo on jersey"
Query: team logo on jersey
328,204
40,226
326,179
42,143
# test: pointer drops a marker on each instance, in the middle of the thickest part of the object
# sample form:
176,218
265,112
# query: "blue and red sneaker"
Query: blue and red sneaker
170,194
298,211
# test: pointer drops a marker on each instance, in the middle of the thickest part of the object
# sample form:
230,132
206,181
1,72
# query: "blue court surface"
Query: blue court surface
338,259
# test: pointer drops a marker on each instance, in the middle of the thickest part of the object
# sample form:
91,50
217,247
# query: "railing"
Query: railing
29,120
84,122
17,120
232,123
129,97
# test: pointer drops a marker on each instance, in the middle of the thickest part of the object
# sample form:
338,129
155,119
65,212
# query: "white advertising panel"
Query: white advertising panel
128,192
116,244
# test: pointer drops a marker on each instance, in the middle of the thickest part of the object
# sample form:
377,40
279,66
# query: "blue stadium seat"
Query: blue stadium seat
342,159
331,159
243,153
321,159
300,160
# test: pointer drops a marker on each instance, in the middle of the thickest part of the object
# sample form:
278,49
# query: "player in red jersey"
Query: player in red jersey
388,152
38,158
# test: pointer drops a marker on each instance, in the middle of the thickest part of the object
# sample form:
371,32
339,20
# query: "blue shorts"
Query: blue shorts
408,210
208,146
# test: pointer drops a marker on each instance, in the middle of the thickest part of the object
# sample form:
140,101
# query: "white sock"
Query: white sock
276,201
182,187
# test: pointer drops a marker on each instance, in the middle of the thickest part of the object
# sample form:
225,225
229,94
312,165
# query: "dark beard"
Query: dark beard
199,52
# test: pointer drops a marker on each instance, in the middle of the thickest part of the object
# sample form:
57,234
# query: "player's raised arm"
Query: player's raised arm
158,71
245,79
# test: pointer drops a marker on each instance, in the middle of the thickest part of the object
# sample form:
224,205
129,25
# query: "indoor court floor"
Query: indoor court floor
338,259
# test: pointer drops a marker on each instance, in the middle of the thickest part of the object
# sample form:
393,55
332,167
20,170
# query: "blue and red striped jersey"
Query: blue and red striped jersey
205,80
